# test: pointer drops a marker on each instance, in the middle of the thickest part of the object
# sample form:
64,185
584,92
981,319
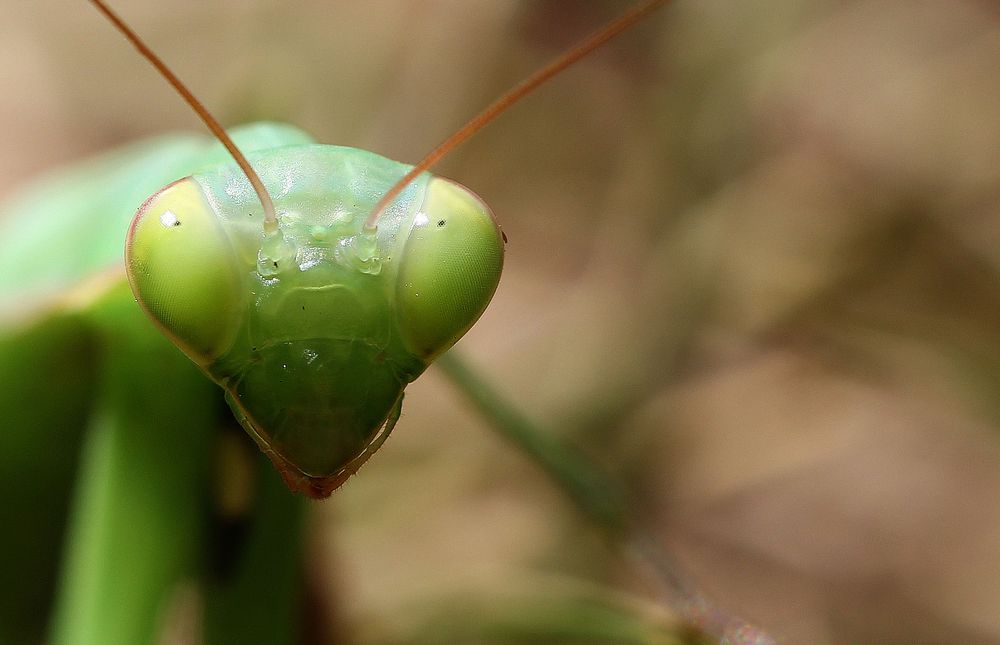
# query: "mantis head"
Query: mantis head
393,286
315,330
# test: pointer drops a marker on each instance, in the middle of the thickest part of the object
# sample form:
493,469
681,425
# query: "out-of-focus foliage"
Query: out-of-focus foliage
753,269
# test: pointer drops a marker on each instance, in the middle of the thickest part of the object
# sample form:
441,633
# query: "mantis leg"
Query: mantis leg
258,599
141,521
135,526
47,370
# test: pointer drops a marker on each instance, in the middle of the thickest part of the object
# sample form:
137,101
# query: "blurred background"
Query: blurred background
753,271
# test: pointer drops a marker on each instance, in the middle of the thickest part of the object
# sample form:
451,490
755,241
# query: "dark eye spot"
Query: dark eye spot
275,263
303,307
440,222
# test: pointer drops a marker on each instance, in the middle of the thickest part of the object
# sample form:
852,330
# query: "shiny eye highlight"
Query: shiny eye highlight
450,268
182,269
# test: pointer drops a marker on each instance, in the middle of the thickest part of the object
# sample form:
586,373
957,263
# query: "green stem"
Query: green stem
593,493
599,498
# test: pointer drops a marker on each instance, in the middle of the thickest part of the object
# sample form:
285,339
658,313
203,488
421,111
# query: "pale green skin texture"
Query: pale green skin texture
314,331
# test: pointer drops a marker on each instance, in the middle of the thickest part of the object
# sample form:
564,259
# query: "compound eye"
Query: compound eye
183,270
450,268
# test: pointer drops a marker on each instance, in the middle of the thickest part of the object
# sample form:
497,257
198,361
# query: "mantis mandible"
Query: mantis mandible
198,251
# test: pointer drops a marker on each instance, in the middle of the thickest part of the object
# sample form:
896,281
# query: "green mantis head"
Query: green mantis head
315,330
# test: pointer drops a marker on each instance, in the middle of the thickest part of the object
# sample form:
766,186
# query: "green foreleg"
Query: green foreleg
47,367
257,600
135,528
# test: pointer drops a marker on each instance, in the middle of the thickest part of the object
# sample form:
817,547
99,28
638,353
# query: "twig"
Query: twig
599,498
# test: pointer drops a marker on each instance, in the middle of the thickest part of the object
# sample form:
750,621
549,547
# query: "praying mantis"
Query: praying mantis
126,505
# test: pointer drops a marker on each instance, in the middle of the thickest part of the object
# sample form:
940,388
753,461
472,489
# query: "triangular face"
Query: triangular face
314,330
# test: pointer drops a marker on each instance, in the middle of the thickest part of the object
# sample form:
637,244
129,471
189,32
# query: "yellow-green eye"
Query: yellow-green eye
449,270
182,270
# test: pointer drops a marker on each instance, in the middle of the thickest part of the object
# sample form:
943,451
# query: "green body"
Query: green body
109,403
94,395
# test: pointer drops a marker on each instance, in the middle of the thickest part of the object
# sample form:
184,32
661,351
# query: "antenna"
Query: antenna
512,96
270,219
